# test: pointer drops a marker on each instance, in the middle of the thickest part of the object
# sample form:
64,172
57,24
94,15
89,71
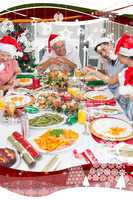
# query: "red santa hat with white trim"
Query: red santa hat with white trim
123,44
127,75
53,38
10,45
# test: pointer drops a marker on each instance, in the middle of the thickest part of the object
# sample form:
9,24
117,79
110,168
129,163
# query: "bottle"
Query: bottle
82,114
36,80
24,124
2,104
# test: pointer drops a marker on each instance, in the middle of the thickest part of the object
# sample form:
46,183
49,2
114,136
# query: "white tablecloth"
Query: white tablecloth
66,157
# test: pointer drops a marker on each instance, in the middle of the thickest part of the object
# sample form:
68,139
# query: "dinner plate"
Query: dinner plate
24,81
108,110
18,158
22,90
111,129
98,88
48,126
99,95
31,140
20,100
124,152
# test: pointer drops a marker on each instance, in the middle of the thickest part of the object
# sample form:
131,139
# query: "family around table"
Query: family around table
116,70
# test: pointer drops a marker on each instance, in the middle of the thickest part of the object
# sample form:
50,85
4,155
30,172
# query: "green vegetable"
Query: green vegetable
46,120
57,132
95,83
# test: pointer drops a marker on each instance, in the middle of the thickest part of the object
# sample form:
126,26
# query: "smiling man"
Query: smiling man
59,57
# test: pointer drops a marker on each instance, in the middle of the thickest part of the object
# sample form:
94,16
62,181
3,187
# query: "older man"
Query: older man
59,56
9,68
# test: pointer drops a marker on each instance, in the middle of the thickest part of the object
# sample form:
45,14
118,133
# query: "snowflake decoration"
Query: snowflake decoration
44,29
66,33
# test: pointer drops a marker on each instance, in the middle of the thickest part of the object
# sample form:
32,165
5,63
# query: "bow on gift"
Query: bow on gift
129,76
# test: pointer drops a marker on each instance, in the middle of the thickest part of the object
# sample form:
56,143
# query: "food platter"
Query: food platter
21,90
55,140
100,95
24,81
108,110
20,100
111,129
12,154
46,119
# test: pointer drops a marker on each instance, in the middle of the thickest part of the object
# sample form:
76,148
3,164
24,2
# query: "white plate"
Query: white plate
112,110
23,91
124,158
101,128
18,158
27,83
91,95
31,140
26,99
101,88
49,126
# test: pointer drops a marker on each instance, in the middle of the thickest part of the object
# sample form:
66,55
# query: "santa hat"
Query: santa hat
101,41
124,44
10,45
53,38
127,78
130,52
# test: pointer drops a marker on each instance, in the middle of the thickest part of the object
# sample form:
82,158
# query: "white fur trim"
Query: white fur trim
126,90
123,51
20,54
57,39
11,49
130,52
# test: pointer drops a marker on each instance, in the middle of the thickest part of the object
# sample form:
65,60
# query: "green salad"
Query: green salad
46,120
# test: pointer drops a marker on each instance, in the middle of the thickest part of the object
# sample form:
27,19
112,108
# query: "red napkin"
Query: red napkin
91,103
26,144
87,155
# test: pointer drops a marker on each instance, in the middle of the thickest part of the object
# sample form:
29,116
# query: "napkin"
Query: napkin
52,164
91,103
87,155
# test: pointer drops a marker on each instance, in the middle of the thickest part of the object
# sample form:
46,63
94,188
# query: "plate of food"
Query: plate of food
111,129
46,120
46,99
22,90
99,95
125,152
55,140
24,81
108,110
19,100
9,157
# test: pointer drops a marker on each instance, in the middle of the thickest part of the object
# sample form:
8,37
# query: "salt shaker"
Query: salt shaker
24,124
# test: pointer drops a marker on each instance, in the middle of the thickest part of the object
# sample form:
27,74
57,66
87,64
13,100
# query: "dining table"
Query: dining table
88,155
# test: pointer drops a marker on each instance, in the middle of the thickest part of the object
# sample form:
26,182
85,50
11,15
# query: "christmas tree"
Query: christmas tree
23,35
